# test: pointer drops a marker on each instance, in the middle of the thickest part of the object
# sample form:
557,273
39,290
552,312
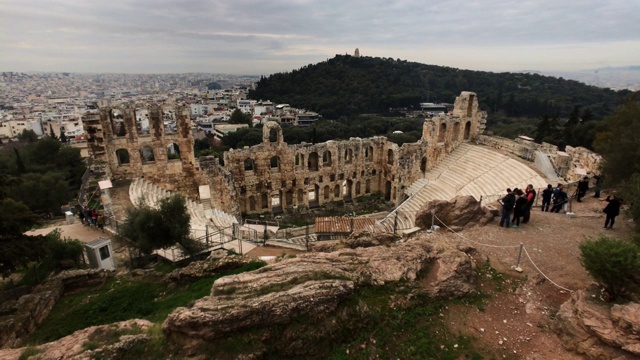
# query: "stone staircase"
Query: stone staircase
143,190
469,170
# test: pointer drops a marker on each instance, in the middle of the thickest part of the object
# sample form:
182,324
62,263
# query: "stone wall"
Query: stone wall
274,176
570,164
158,153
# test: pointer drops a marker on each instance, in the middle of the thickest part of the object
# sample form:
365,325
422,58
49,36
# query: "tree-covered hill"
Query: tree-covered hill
347,85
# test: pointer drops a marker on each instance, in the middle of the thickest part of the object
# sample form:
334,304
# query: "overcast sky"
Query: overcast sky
262,37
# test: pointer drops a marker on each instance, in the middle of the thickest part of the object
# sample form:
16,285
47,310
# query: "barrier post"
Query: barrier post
518,268
433,218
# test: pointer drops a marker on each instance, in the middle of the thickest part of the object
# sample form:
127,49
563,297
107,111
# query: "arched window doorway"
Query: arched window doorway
442,132
467,130
146,154
123,156
313,161
173,152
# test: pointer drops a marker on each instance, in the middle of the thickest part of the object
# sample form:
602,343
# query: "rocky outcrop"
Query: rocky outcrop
598,331
96,342
457,213
19,318
313,287
218,262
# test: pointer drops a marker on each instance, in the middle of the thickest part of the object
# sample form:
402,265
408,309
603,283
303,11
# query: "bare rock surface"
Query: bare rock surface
457,213
218,262
74,346
313,286
597,331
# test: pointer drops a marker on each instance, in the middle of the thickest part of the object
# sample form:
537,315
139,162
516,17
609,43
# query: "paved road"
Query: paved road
75,231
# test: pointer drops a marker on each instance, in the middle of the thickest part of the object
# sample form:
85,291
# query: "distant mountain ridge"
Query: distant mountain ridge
617,78
347,85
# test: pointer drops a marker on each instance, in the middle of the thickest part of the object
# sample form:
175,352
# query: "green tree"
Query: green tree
619,143
151,229
612,262
19,164
238,117
28,136
51,133
63,137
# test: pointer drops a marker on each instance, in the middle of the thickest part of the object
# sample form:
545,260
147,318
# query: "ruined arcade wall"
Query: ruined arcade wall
157,153
274,176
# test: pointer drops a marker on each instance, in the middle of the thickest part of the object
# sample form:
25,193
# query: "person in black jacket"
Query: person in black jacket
612,210
519,208
507,205
559,199
583,187
546,197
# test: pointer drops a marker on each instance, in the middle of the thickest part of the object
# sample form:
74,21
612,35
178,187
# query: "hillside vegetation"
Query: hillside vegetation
516,102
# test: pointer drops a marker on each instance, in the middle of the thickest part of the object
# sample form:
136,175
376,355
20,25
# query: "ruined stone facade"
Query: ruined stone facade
157,146
274,176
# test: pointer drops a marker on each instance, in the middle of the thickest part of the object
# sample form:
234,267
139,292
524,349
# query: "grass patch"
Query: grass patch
28,352
122,299
409,330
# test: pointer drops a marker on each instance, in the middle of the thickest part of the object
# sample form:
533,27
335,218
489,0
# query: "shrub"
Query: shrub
612,262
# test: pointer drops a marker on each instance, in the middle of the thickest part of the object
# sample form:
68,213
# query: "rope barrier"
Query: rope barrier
475,242
543,274
505,246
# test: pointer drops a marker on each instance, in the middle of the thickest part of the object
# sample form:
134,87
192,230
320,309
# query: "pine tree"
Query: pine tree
51,133
19,164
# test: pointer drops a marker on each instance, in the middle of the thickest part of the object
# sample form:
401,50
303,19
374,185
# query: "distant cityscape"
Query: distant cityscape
616,78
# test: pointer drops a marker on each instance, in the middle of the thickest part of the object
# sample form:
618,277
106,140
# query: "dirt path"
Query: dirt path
516,319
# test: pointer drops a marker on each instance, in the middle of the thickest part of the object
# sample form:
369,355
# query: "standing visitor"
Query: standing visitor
546,197
596,193
559,199
507,205
612,210
583,187
519,208
101,222
530,194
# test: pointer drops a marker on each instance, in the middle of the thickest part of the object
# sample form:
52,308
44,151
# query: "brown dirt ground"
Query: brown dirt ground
516,319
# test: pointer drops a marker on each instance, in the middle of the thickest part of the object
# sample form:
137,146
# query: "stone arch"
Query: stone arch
387,191
367,186
116,117
312,164
252,203
348,156
264,201
289,198
326,158
357,188
456,131
300,197
299,160
336,191
173,152
368,153
467,130
146,154
276,201
423,165
123,156
141,118
314,196
326,192
274,162
347,189
249,164
390,157
442,132
272,133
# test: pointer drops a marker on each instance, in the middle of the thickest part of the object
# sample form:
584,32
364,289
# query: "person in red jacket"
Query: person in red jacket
530,194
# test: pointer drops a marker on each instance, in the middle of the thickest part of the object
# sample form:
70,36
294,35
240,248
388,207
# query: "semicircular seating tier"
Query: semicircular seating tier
468,170
144,191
